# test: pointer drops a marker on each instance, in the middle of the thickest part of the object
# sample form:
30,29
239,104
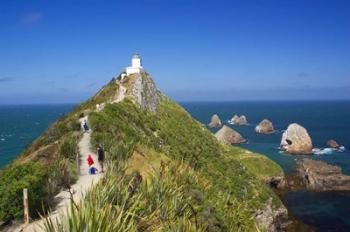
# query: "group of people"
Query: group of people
101,159
99,150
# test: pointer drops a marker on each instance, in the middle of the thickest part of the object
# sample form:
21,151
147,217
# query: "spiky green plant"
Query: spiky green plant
165,201
106,207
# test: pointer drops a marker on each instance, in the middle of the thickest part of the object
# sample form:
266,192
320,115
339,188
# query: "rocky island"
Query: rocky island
215,121
296,140
229,136
265,127
239,120
333,144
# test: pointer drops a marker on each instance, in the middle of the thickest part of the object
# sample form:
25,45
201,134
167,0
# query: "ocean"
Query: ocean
20,125
324,121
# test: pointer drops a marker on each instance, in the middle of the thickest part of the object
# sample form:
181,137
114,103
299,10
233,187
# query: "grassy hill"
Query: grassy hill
166,171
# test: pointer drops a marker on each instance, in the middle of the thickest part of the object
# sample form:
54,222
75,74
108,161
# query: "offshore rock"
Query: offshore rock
215,121
239,120
296,140
265,127
229,136
333,144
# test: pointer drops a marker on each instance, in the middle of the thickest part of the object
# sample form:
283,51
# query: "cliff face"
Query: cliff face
141,88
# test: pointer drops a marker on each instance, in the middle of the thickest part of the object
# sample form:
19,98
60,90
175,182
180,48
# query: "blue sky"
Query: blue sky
64,51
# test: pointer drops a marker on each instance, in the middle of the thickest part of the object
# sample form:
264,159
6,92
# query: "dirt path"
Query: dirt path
80,188
121,93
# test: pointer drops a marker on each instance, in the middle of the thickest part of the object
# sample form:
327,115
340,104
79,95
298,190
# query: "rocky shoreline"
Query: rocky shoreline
309,174
320,176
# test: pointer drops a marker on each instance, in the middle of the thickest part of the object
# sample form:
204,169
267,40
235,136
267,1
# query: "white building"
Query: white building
136,66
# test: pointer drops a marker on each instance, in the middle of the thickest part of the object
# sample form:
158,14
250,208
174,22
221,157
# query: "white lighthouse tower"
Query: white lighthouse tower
136,66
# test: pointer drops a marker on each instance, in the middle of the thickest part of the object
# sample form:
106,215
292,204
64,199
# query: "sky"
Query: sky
65,51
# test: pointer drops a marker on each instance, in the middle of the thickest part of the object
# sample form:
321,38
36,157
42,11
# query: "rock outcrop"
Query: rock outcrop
277,182
141,88
215,121
320,176
265,127
296,140
272,219
229,136
239,120
333,144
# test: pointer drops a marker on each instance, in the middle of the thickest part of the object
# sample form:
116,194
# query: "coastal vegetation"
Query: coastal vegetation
227,193
29,175
45,167
166,171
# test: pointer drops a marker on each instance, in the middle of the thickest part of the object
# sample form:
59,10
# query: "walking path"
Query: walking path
121,93
80,188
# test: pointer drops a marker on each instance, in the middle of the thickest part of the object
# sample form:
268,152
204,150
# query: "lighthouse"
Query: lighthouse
136,66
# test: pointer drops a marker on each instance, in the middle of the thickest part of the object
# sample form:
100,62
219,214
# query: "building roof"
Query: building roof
136,56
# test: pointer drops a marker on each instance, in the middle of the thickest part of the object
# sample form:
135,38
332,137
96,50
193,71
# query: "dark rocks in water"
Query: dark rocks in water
333,144
320,176
296,140
229,136
272,218
239,120
277,182
265,127
215,121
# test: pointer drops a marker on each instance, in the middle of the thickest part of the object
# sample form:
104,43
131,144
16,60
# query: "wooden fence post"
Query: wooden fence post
77,163
26,206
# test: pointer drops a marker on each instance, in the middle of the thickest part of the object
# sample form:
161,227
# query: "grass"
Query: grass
229,187
258,164
145,161
167,172
55,149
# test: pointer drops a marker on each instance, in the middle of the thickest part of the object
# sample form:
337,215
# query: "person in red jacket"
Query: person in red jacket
90,160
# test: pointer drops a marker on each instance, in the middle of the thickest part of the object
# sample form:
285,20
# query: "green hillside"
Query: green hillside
166,171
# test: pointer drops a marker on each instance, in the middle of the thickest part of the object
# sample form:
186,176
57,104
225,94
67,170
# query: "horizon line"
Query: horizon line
190,101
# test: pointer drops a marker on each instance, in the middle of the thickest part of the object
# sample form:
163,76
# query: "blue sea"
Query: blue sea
20,125
323,120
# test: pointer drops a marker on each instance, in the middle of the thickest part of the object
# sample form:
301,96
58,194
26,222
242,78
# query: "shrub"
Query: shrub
69,147
234,193
13,181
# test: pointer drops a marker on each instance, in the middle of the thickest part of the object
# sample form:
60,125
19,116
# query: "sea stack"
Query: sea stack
265,127
239,120
229,136
296,140
333,144
215,121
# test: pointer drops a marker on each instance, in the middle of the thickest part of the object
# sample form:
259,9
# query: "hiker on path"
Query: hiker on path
82,126
90,160
92,169
101,156
85,126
